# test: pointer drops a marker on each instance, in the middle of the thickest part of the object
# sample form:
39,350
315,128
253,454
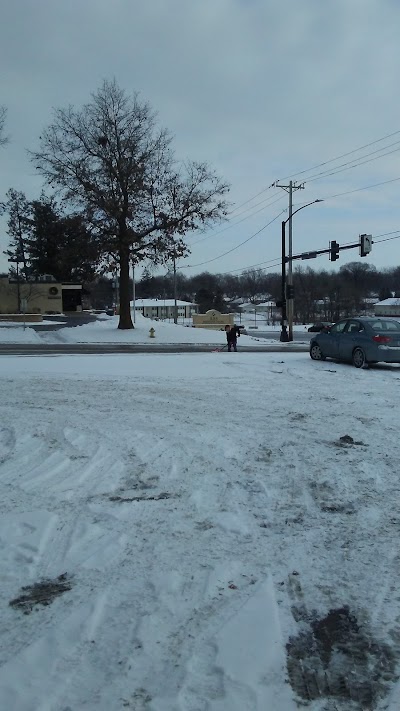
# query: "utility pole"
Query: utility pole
16,260
284,334
133,293
175,299
289,281
18,288
21,244
116,290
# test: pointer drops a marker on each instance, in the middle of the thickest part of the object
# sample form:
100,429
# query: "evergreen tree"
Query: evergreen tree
19,224
205,299
47,241
218,300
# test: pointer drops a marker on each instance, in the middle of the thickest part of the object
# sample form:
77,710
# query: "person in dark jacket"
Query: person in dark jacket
232,334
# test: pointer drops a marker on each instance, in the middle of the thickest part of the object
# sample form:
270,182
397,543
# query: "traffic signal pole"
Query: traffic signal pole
284,334
365,246
287,289
334,249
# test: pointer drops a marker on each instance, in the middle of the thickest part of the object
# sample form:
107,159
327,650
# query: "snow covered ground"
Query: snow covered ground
106,330
193,534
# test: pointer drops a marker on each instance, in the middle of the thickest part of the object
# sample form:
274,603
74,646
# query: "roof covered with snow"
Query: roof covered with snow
248,306
393,301
160,302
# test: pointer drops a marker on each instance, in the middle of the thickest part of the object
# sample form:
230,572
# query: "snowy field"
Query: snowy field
105,330
205,532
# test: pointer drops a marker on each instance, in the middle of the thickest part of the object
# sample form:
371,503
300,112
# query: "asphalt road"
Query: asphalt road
34,349
298,336
63,322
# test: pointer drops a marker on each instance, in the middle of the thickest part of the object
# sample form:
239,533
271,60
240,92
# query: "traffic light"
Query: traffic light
280,304
289,291
334,247
365,245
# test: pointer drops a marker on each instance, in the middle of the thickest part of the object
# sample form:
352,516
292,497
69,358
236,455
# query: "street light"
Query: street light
284,337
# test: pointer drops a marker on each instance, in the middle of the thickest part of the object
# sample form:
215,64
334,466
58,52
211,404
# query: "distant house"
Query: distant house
43,295
388,307
164,308
266,307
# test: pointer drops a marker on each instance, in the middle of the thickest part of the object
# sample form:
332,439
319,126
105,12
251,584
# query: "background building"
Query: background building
164,308
42,296
388,307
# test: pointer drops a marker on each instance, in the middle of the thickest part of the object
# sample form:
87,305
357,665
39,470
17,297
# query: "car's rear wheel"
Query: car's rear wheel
316,353
359,359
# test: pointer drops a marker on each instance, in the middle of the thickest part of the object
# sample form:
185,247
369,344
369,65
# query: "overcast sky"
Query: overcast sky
261,89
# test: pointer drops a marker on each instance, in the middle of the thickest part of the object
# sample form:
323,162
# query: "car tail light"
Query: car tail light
381,339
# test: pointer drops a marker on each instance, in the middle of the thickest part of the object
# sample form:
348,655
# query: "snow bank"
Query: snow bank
106,330
15,333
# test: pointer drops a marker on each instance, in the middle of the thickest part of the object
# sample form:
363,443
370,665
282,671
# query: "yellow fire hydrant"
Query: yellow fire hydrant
152,332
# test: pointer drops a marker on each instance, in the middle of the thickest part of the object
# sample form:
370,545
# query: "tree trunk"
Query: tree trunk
125,319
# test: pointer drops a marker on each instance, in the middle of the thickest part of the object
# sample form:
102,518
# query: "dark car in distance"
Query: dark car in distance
319,326
360,341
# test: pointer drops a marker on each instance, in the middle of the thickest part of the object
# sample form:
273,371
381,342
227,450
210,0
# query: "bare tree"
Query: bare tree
3,113
112,161
252,282
358,279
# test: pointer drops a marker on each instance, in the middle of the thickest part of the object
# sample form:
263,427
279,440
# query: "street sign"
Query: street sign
365,245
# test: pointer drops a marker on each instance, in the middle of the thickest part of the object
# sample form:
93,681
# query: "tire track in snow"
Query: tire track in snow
90,473
332,532
94,473
181,625
7,443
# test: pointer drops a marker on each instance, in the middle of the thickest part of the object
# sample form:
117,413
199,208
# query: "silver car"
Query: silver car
359,340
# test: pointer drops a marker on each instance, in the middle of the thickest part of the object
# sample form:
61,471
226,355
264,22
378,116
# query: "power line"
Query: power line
327,162
393,232
357,190
343,155
264,190
341,169
388,239
266,200
191,266
329,197
276,262
318,176
349,192
228,227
